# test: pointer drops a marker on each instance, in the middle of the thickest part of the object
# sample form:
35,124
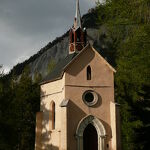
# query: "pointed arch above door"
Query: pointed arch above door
98,126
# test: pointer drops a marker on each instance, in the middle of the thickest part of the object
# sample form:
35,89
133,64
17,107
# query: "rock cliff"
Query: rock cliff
58,49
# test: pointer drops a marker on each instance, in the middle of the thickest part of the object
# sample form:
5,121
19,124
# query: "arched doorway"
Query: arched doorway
90,138
90,129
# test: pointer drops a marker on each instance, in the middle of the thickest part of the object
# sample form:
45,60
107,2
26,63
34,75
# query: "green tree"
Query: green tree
51,66
26,104
128,25
19,102
133,82
6,130
37,77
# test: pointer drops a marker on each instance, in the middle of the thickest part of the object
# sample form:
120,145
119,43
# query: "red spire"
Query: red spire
77,34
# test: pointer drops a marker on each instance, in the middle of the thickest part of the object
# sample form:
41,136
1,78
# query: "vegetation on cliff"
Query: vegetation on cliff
128,25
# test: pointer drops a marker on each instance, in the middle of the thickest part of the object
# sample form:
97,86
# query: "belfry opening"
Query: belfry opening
77,34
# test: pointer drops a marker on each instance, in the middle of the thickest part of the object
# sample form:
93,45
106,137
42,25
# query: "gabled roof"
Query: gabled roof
62,66
58,70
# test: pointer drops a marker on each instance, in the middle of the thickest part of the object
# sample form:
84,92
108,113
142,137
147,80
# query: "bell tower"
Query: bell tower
77,34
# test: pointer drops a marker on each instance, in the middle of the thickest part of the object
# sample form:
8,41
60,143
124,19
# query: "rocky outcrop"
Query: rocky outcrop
58,49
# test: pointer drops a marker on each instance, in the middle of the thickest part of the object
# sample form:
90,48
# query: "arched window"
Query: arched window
70,36
78,35
52,115
88,73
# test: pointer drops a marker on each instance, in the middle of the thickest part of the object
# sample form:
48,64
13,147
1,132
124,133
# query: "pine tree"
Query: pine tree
26,104
19,102
128,24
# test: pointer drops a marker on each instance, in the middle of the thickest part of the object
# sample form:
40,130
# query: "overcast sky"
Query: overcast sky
28,25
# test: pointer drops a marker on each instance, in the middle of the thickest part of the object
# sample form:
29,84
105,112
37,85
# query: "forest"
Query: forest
128,27
128,23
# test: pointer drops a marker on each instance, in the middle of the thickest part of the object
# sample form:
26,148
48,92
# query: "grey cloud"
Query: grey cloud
28,25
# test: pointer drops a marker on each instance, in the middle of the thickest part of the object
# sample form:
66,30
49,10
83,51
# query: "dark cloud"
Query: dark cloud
28,25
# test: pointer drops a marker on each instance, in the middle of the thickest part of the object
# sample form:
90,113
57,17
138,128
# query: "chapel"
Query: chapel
77,107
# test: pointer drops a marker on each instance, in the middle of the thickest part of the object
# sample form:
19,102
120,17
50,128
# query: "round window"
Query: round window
90,97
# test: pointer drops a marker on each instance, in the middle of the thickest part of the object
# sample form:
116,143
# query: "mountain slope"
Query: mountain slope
58,49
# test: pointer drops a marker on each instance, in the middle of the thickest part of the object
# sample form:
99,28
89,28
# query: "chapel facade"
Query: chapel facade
77,109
